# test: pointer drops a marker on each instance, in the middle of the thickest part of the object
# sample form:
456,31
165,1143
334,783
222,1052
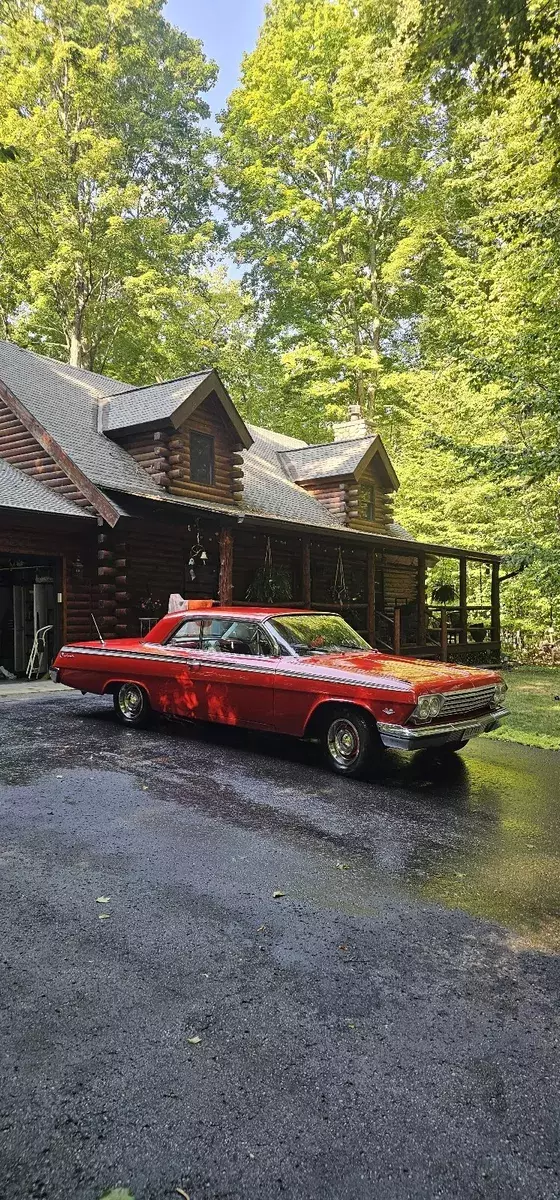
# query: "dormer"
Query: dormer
186,433
352,476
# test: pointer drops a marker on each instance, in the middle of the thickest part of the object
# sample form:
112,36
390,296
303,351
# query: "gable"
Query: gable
19,448
170,403
345,459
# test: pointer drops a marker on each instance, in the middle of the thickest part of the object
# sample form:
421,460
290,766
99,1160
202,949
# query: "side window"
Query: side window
366,502
187,635
235,637
202,458
213,632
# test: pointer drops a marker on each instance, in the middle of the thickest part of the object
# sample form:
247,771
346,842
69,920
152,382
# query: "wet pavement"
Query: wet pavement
387,1027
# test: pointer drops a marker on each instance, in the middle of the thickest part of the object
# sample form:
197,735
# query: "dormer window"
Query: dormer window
201,458
367,502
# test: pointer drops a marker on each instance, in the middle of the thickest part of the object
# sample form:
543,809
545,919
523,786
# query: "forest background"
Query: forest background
386,175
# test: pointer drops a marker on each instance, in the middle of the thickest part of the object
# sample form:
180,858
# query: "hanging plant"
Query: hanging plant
270,584
339,591
444,593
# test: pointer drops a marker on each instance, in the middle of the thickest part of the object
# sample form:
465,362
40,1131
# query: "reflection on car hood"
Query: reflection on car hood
419,673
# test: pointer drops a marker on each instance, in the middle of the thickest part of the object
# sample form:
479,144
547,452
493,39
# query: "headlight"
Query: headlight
428,707
500,693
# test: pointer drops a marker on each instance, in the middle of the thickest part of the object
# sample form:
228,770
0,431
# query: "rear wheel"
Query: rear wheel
349,741
132,705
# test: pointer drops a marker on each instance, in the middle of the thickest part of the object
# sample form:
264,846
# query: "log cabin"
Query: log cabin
113,497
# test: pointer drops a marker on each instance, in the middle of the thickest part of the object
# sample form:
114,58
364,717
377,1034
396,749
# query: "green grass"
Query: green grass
535,714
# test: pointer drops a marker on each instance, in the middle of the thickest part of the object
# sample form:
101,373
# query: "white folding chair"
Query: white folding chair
37,651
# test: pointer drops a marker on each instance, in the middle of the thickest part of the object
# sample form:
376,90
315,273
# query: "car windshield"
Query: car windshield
320,634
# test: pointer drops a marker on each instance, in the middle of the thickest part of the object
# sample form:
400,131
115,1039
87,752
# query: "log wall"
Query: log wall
19,448
209,418
150,449
148,562
383,500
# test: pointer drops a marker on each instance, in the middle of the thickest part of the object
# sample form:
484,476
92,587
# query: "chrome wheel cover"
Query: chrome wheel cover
131,701
343,741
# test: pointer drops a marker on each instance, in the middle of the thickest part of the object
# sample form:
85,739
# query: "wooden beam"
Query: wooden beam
397,632
371,597
444,639
495,634
421,598
226,566
306,571
463,615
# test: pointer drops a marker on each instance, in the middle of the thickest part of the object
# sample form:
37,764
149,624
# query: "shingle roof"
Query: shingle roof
320,462
158,402
66,401
267,488
23,492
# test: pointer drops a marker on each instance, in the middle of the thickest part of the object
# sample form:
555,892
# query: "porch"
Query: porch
389,591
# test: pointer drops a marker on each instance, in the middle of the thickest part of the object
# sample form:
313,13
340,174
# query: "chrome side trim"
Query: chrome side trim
269,666
407,737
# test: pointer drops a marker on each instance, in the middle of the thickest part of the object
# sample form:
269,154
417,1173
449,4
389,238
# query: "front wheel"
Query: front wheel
132,705
349,742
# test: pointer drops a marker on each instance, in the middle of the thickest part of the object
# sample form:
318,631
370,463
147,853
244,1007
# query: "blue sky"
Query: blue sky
227,28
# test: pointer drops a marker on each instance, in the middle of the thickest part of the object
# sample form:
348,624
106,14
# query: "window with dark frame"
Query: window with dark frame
367,502
202,458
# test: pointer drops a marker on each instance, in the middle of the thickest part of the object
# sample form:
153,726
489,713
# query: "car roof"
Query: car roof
170,621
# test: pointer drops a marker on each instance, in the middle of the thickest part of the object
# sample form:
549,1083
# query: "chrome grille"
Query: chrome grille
470,700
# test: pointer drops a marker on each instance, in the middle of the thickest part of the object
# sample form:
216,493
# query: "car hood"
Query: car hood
418,674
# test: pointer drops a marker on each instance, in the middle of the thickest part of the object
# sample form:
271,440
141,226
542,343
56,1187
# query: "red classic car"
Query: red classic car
307,674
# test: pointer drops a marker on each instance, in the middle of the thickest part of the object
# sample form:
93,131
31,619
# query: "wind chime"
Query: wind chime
197,556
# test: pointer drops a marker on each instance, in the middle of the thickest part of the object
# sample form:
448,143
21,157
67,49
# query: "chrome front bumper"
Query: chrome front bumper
417,737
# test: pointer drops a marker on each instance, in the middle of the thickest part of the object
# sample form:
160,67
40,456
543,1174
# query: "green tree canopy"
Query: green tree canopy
326,146
106,197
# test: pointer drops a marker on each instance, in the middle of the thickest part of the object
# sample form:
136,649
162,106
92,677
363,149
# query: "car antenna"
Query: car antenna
99,633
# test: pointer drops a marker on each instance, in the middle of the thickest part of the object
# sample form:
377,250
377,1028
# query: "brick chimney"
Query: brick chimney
354,427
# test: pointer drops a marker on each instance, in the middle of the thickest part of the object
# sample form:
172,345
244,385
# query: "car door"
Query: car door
176,671
235,673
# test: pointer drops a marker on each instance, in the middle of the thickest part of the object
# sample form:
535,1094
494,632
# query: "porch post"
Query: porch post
225,586
306,571
495,632
370,620
463,617
444,635
397,632
421,598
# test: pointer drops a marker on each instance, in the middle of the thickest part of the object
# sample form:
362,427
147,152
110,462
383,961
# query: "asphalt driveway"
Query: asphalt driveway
386,1027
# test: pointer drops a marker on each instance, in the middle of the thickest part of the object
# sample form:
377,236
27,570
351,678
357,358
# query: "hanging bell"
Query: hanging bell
204,556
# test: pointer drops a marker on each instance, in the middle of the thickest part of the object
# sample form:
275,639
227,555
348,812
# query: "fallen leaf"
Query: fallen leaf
104,916
117,1194
250,1155
277,895
180,1192
194,1041
343,866
102,899
261,928
343,947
